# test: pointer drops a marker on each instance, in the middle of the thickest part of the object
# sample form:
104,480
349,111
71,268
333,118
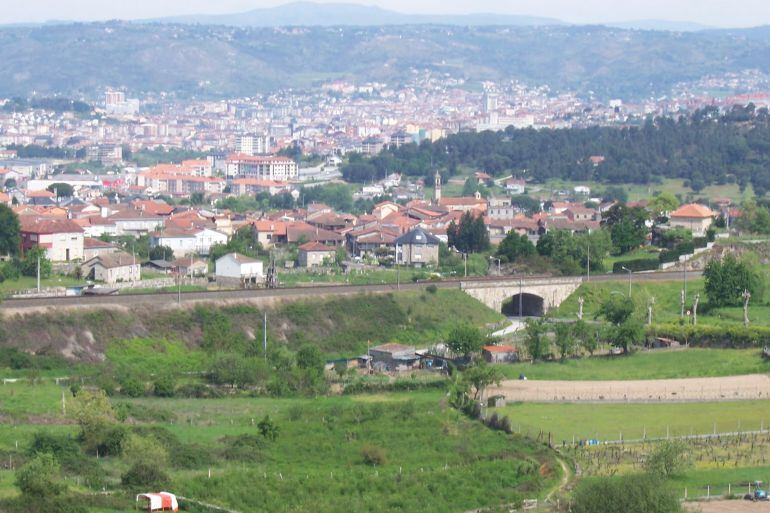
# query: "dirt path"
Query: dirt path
736,506
732,388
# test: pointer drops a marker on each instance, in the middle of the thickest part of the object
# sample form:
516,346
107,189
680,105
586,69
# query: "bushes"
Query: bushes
640,264
499,423
727,336
373,455
672,255
145,475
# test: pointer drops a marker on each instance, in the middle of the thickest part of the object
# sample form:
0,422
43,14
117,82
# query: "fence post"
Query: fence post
708,491
729,489
685,493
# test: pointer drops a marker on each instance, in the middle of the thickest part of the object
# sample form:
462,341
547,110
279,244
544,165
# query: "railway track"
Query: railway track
167,298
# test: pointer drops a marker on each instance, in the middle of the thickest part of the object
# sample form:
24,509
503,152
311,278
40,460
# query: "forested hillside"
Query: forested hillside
703,149
219,61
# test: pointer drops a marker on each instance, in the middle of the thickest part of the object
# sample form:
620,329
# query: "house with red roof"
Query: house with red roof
315,254
62,239
694,217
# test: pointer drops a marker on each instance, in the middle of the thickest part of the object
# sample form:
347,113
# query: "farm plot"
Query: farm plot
730,388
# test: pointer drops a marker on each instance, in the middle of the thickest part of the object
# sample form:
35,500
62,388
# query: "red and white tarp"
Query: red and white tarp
161,501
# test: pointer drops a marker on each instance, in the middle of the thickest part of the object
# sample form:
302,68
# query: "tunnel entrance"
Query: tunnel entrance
531,306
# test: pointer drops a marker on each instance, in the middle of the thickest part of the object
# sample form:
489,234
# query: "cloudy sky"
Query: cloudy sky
719,13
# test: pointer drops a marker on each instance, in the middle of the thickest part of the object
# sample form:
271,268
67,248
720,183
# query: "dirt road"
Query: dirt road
736,506
755,386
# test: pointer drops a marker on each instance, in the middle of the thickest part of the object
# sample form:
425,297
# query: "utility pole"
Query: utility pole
465,263
38,274
588,262
264,335
629,279
521,298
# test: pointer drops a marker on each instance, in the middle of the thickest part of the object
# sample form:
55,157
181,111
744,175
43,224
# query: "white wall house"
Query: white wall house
234,268
185,242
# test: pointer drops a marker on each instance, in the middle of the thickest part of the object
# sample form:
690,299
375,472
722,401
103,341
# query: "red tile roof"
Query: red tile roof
693,210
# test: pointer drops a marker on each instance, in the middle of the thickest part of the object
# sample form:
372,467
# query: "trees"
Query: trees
571,252
627,331
161,253
464,339
62,190
39,479
514,246
617,309
29,265
564,339
625,494
663,203
9,231
726,279
627,226
480,375
669,459
309,358
470,236
536,340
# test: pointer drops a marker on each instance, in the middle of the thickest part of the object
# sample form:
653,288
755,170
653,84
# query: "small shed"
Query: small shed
500,354
237,269
161,501
393,356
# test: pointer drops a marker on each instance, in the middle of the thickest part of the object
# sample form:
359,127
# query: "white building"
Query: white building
185,242
234,268
264,168
252,144
62,239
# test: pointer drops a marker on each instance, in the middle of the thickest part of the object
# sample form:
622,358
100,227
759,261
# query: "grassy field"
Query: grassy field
667,302
27,283
317,461
638,192
608,421
337,325
689,363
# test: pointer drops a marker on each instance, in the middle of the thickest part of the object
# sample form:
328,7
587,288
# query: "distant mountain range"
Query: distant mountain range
312,14
309,14
222,61
346,14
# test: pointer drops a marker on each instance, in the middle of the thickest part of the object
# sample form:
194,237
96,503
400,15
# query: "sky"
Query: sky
716,13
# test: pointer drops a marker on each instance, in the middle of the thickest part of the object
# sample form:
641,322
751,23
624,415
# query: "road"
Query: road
14,305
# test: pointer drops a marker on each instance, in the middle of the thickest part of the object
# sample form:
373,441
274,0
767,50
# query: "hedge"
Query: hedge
639,264
700,242
667,255
712,335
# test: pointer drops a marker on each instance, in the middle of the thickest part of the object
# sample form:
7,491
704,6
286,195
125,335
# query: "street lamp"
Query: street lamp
629,279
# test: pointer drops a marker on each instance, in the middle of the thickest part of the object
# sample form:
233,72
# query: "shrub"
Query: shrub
431,289
164,385
703,335
625,494
131,386
246,447
145,476
373,455
63,447
198,391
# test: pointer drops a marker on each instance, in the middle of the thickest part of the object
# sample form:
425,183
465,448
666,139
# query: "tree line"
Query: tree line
702,149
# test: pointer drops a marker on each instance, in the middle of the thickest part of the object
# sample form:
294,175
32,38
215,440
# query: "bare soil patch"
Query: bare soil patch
732,388
735,506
